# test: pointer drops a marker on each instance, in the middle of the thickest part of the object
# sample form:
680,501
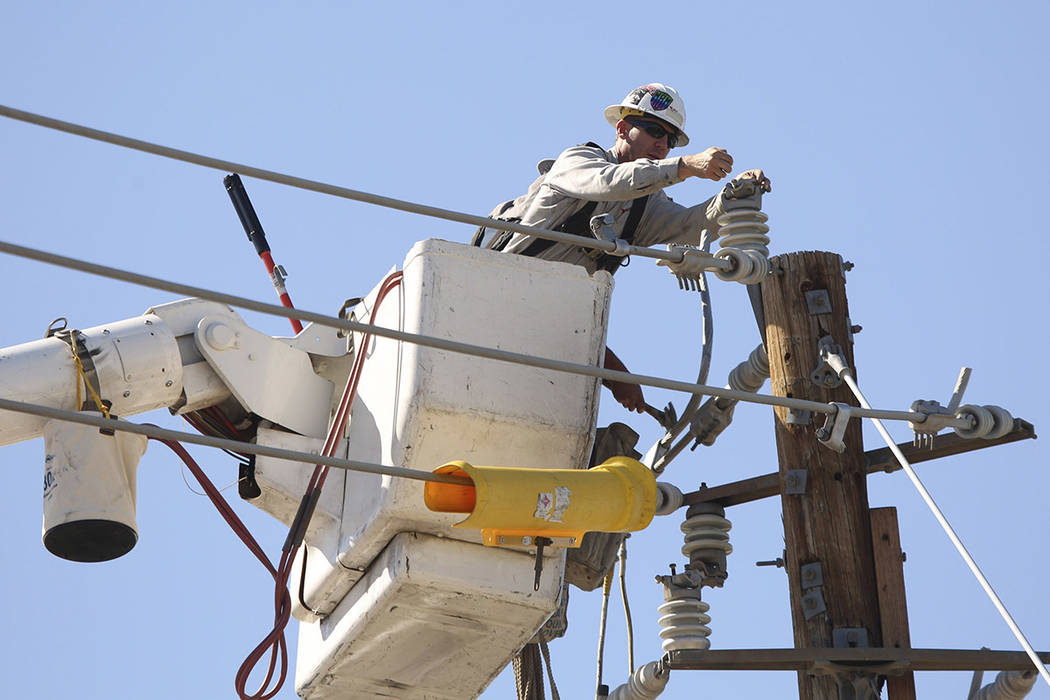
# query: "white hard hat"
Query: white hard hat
655,99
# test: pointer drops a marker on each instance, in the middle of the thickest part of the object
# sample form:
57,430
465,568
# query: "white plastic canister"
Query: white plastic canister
89,491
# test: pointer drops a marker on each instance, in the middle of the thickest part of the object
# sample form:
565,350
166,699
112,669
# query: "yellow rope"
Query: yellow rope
82,377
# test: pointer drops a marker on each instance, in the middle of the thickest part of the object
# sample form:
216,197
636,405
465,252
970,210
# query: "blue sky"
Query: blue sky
908,136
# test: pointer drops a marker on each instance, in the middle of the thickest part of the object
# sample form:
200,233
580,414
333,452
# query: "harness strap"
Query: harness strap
579,224
610,263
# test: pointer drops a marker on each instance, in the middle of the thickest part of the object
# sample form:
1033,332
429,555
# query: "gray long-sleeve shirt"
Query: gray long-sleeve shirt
587,174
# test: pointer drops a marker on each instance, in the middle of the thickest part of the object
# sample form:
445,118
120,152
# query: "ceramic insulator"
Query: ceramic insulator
683,622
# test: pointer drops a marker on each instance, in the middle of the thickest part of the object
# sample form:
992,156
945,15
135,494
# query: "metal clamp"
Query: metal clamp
828,373
602,229
937,418
690,269
834,428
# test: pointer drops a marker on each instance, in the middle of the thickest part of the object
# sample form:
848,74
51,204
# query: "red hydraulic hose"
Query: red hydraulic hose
275,641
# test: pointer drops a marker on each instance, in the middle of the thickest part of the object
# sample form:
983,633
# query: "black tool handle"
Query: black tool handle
246,212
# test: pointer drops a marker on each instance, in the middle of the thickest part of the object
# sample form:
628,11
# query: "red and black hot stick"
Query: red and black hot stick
252,227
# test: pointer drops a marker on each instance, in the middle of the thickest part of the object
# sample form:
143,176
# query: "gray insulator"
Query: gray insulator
751,374
683,623
707,542
1008,685
989,422
716,414
712,418
744,242
1004,422
644,684
669,498
683,619
744,229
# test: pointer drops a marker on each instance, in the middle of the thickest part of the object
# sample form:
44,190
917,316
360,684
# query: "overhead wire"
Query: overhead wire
158,433
297,530
946,526
334,190
454,346
281,604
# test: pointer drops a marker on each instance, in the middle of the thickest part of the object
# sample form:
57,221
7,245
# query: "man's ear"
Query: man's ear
622,128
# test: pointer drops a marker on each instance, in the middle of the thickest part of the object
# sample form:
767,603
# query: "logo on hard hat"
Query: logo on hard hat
659,99
636,95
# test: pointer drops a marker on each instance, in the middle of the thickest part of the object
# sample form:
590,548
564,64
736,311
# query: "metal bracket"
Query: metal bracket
828,374
818,302
812,575
278,276
742,194
831,434
799,416
849,637
795,482
601,227
813,603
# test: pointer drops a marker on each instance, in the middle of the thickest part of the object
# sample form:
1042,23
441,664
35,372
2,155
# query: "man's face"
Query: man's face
639,143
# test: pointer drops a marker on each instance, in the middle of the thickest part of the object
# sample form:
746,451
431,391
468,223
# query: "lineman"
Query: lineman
627,182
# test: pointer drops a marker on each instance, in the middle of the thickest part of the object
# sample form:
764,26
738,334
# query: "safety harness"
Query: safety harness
579,224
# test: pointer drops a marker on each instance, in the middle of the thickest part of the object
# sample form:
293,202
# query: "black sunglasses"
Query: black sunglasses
654,129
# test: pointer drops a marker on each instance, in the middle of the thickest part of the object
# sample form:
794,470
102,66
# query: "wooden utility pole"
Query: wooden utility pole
893,606
827,531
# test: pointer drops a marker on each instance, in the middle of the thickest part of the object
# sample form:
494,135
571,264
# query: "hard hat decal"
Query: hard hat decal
636,95
660,100
551,506
656,99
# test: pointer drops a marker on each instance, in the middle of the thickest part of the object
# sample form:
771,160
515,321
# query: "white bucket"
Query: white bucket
89,491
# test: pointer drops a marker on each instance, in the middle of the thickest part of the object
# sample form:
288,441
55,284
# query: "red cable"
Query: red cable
275,640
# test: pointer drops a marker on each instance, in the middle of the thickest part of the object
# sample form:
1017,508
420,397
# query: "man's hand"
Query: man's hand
712,164
629,395
757,174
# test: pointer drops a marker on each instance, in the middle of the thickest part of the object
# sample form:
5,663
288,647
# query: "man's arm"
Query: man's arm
666,221
586,173
630,395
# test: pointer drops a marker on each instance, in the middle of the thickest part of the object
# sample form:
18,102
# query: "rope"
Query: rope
851,382
323,188
451,345
547,662
528,673
606,589
626,606
82,377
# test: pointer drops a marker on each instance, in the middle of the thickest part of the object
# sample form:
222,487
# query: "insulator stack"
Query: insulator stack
683,616
1008,685
751,374
989,422
644,684
742,236
707,542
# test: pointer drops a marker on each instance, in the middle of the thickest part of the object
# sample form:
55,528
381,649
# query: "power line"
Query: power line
156,432
451,345
946,526
337,191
